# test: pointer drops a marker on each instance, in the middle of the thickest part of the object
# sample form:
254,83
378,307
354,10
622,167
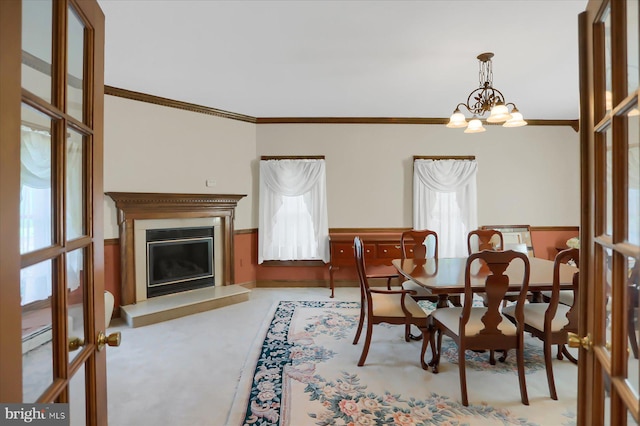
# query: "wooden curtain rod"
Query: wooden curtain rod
444,157
292,157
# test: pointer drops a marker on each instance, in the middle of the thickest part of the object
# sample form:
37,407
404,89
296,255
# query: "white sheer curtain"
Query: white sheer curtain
35,211
445,201
293,221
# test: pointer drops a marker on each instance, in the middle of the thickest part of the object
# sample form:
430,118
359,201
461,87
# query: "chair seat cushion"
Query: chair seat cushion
389,305
450,318
534,315
420,291
566,296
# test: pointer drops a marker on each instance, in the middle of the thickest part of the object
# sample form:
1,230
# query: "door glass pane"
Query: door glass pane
634,178
606,19
36,216
633,372
37,319
75,65
609,184
37,24
633,71
606,283
77,399
74,183
76,282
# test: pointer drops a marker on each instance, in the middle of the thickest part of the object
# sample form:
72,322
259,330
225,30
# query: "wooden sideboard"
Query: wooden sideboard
379,249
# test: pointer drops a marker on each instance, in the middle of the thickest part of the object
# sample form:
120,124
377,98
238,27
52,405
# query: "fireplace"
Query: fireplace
179,259
166,216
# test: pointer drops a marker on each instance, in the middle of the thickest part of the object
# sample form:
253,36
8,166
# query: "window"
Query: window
444,201
293,210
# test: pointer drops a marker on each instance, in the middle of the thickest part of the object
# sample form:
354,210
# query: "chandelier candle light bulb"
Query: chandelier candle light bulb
486,99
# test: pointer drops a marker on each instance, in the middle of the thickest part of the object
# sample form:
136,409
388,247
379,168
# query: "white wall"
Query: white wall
151,148
528,175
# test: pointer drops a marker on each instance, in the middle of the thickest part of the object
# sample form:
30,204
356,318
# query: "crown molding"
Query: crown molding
171,103
574,124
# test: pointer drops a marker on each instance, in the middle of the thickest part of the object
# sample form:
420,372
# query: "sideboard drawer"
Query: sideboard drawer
379,251
341,252
369,251
389,251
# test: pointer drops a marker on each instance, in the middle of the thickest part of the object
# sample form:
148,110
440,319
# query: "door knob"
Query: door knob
575,341
112,340
75,343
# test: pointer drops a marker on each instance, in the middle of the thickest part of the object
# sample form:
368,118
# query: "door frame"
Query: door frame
11,100
602,368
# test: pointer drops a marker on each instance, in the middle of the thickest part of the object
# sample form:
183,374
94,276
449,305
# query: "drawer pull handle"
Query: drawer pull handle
398,247
385,250
341,251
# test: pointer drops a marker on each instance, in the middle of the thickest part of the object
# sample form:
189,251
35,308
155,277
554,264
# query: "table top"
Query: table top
446,275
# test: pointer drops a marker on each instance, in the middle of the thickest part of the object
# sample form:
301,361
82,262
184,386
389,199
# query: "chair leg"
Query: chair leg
436,356
463,376
426,338
566,353
367,342
521,376
549,367
408,336
631,326
492,357
360,324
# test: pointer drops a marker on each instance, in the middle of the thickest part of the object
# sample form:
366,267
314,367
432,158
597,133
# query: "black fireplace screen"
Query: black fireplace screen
179,259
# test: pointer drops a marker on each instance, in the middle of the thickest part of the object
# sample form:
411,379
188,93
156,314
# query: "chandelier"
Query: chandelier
486,99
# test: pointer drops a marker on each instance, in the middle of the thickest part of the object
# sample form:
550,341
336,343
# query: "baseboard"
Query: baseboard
296,283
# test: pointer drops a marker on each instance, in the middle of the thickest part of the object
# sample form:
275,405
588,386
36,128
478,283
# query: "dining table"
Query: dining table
445,276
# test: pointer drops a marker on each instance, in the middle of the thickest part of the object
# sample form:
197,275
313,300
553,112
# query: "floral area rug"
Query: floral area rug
305,373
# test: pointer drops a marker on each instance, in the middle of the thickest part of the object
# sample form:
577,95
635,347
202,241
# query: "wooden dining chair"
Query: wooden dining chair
552,322
413,244
386,306
484,239
485,328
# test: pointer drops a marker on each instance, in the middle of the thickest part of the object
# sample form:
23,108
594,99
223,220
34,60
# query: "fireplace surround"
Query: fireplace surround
140,212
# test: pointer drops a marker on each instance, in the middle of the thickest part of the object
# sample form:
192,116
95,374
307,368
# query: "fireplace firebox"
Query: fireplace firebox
179,259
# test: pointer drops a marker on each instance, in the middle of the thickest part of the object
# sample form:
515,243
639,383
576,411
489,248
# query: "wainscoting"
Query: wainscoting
546,242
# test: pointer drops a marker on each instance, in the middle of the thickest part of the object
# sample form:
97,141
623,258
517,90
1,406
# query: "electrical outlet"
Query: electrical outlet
211,182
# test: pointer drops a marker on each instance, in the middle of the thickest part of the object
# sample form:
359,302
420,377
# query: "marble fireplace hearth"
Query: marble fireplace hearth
140,212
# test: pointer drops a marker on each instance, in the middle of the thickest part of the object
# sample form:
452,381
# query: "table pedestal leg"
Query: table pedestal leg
443,301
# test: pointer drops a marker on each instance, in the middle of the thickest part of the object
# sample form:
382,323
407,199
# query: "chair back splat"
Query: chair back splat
486,239
414,243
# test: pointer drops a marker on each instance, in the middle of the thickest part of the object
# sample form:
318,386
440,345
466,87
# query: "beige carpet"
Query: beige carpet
304,372
185,372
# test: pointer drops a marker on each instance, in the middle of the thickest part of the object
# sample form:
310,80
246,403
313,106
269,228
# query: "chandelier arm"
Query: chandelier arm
482,99
465,106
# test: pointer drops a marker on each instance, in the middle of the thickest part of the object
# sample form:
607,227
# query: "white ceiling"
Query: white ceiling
345,58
